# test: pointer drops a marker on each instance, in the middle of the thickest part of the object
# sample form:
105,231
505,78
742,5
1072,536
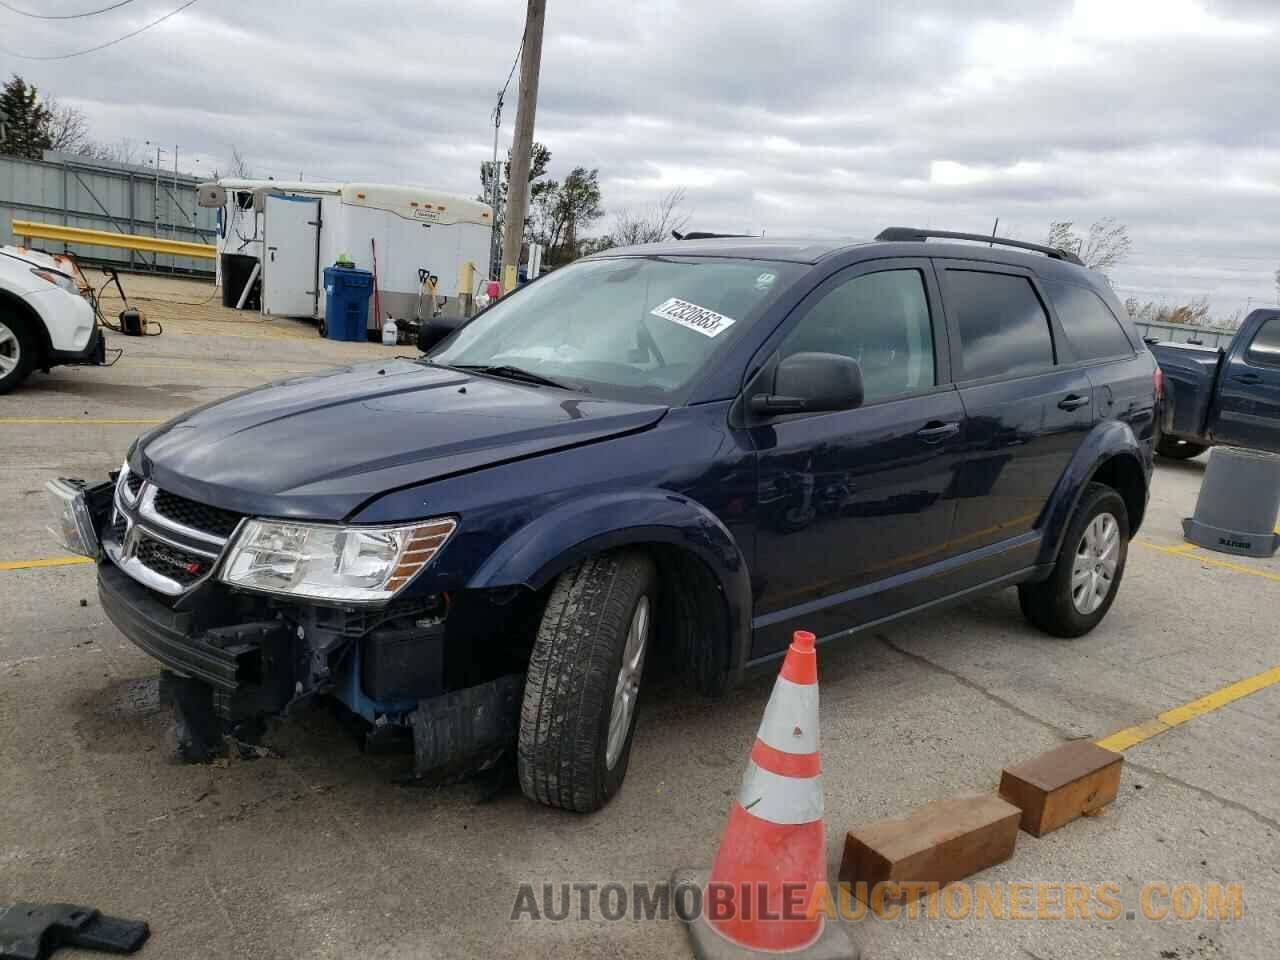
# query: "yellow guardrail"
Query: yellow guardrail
30,230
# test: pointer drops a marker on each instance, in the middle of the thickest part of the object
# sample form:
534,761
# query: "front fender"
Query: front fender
1109,439
540,551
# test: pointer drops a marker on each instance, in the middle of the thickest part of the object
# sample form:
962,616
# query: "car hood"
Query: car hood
321,445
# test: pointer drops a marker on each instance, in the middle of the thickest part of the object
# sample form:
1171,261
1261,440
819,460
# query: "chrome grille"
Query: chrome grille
172,562
198,516
164,541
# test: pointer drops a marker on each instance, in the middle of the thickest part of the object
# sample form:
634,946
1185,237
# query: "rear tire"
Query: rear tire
17,350
578,715
1069,603
1176,449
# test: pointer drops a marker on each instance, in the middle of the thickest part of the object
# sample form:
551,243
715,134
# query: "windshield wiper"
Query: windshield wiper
509,372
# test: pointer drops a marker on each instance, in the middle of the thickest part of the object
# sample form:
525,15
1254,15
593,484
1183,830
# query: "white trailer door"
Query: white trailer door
290,248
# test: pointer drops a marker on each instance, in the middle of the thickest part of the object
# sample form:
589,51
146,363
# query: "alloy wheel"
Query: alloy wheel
628,686
10,351
1094,569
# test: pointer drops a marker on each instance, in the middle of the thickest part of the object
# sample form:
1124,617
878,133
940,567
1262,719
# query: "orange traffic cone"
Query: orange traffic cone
772,859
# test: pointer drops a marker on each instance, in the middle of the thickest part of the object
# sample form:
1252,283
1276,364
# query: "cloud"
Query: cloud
790,116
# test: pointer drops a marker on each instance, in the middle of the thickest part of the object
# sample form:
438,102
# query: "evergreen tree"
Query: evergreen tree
26,127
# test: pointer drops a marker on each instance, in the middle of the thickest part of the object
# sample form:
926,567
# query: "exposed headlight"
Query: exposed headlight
72,526
359,564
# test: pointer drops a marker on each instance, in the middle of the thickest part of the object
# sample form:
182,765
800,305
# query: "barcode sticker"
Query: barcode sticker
690,315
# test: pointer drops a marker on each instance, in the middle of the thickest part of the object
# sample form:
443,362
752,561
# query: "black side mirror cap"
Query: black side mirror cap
811,383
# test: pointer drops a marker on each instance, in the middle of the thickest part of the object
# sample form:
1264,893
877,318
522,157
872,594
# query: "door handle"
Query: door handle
1072,401
1248,378
935,431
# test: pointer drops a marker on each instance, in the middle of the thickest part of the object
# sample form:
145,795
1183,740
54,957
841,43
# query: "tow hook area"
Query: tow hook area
32,931
203,732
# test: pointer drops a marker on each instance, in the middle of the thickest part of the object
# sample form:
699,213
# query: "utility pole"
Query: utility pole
522,146
495,241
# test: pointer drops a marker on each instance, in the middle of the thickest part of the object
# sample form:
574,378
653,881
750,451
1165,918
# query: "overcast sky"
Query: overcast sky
792,117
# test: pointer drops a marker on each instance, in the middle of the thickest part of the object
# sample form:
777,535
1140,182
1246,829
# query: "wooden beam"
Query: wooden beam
939,843
1054,788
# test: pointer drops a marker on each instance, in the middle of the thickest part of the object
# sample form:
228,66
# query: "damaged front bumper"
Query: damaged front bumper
230,678
228,659
234,659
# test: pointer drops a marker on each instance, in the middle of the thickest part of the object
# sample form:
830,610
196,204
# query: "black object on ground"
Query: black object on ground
33,931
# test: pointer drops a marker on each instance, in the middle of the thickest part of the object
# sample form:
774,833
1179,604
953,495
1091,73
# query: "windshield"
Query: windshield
632,328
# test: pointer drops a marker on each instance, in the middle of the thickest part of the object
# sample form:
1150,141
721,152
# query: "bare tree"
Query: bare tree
652,226
1194,313
239,167
1230,321
66,127
123,151
1106,244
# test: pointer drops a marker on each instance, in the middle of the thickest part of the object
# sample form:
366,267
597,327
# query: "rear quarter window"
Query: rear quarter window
1091,328
1003,326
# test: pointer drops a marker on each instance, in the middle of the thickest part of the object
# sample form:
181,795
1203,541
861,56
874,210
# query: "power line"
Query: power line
503,92
64,16
102,46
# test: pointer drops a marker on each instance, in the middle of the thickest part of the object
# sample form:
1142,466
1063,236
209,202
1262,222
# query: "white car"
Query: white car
44,321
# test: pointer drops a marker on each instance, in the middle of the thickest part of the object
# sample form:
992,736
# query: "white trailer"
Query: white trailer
283,234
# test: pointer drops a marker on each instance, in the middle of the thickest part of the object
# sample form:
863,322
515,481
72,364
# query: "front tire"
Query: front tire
17,351
1088,571
578,715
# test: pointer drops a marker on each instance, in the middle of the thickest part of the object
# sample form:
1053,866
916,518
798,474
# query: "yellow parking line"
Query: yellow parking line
47,562
229,367
1130,736
1185,551
19,421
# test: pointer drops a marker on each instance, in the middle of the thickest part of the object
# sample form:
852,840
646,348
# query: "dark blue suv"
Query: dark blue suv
679,452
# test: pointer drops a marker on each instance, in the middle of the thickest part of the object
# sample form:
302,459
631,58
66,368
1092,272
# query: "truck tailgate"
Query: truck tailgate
1190,373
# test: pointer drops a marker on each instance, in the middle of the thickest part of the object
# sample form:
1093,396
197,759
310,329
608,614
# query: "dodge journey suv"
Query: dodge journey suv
677,452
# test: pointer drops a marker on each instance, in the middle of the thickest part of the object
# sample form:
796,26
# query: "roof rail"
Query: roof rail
912,233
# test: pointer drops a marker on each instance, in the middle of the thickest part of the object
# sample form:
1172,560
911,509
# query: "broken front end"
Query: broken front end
252,616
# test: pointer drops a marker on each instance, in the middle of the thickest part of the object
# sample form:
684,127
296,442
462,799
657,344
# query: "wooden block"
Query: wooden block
943,841
1054,788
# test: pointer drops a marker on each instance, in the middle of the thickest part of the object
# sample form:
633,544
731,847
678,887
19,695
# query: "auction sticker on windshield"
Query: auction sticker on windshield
686,314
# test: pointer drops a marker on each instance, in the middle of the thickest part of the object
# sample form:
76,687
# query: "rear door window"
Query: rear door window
1003,326
1266,345
1090,326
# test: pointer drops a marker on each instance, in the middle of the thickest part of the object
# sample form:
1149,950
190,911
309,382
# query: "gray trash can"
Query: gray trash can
1238,503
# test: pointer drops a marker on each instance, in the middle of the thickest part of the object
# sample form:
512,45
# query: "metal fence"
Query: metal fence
101,195
1185,333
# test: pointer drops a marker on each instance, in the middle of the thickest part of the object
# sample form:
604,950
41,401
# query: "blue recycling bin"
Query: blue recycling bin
346,303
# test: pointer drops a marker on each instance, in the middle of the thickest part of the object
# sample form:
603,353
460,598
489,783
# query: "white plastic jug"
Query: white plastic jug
390,333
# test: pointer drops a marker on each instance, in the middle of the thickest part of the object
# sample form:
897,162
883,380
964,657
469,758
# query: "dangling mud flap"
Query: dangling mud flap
467,731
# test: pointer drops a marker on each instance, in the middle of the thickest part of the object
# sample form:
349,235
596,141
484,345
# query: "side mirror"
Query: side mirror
811,383
431,332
